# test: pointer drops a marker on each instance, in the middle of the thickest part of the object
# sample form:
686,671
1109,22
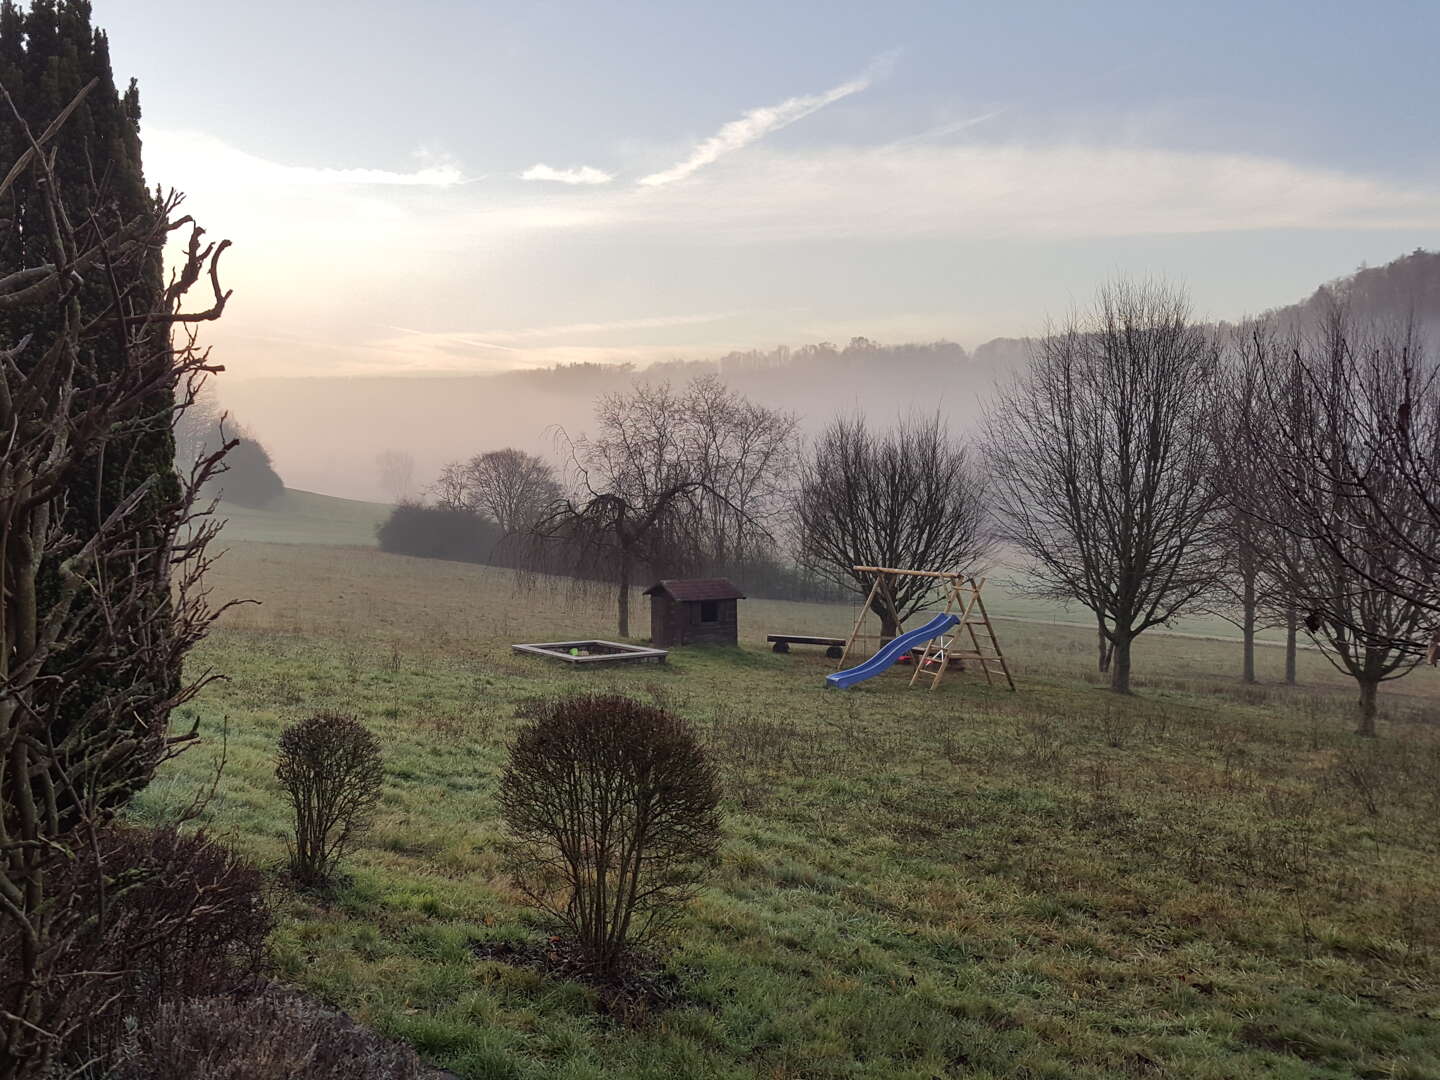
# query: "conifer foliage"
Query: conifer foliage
102,553
48,54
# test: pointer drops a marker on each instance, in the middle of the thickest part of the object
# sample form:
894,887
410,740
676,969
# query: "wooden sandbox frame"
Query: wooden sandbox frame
615,652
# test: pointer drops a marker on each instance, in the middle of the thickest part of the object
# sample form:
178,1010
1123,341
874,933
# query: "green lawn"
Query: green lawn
1207,880
303,517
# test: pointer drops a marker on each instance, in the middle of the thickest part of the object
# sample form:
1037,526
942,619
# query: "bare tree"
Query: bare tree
510,487
1250,589
1348,416
1101,454
746,454
451,489
910,498
397,473
662,481
95,626
199,429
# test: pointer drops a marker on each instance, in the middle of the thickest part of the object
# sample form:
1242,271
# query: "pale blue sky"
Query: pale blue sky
767,173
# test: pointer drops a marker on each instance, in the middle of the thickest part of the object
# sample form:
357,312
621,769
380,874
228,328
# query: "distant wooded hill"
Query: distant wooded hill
324,433
1409,286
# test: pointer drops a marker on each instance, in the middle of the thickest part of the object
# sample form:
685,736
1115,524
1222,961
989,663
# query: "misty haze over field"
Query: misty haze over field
324,431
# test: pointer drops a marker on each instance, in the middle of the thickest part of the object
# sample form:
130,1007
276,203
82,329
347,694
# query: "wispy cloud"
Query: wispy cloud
320,252
953,127
491,339
197,160
757,123
581,174
1047,192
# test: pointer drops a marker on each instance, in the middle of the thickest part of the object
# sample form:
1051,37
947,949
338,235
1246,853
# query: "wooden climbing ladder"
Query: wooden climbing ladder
965,592
962,597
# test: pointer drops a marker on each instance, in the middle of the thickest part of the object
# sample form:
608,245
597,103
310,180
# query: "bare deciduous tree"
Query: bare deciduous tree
910,498
746,454
451,489
510,487
1250,583
397,473
1350,415
95,627
671,482
1101,454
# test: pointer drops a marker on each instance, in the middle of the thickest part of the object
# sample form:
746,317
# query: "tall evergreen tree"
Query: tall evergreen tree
47,55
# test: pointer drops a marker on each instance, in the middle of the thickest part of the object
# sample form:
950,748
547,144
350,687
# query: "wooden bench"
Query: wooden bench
834,646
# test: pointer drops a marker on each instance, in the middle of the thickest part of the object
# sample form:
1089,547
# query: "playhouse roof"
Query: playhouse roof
697,589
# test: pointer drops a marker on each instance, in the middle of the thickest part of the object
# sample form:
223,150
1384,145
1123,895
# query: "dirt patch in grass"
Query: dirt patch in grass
631,994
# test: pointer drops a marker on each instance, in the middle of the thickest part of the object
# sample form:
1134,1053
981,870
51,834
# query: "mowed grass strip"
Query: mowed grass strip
1208,880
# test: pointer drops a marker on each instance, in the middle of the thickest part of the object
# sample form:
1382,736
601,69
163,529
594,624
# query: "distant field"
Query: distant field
303,517
1003,598
1208,880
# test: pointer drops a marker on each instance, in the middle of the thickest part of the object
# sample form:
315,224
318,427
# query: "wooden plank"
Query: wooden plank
804,639
950,596
999,656
858,620
907,573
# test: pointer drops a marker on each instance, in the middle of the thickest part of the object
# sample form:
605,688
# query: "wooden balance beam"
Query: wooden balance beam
781,643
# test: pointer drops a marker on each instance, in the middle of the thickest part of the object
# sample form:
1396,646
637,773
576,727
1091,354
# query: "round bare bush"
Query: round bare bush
330,767
613,814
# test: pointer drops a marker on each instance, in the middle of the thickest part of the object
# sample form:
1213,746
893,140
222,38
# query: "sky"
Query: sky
445,186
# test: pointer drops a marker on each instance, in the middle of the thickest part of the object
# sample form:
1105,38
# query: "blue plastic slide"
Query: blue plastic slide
897,648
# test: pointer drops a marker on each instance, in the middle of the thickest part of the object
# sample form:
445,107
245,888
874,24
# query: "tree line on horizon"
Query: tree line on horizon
1407,287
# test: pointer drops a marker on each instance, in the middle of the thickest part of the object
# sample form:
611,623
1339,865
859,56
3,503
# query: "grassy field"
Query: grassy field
1208,880
303,517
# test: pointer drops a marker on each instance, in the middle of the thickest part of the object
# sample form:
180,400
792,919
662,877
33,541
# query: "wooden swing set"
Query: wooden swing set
963,599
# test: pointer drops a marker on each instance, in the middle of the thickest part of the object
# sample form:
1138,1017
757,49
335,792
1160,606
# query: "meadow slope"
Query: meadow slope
1207,880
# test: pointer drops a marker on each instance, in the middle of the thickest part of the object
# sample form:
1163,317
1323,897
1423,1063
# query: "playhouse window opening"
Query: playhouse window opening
709,611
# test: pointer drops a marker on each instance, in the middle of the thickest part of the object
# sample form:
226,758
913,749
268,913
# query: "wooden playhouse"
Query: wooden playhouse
697,612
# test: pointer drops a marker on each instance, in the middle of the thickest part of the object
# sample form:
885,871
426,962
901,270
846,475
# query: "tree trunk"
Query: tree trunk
1247,630
1368,692
1120,665
1292,647
624,596
889,628
1107,650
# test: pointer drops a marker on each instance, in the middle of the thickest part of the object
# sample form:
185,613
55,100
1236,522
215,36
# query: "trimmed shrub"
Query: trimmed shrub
274,1036
613,813
331,769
